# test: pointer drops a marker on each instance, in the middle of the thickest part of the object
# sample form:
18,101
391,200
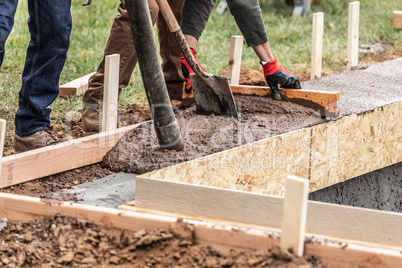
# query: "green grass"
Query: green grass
290,40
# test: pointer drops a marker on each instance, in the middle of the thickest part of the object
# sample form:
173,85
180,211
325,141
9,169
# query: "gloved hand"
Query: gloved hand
275,74
187,70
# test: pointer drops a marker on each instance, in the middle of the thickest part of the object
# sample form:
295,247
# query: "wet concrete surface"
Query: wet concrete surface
111,191
380,189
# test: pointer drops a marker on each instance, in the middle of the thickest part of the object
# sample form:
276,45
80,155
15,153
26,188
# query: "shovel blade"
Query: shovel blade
212,94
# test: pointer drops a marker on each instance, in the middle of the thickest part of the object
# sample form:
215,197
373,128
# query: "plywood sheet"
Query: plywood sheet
325,154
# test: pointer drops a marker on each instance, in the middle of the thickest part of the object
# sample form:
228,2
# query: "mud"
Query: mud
68,242
260,118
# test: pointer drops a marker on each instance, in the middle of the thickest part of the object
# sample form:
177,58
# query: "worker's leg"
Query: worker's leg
7,12
170,53
50,27
120,42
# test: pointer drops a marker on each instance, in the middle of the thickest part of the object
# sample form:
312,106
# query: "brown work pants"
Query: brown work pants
120,42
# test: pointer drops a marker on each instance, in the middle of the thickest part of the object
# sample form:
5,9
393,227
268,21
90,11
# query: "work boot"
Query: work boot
37,140
91,119
175,90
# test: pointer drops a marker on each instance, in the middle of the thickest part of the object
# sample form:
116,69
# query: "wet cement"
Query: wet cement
111,191
260,118
365,89
380,189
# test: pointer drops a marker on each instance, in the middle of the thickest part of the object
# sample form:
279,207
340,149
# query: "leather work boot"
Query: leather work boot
175,90
91,120
37,140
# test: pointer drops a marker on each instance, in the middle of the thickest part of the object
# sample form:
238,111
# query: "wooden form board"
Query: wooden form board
324,102
221,236
326,154
75,87
342,222
397,19
57,158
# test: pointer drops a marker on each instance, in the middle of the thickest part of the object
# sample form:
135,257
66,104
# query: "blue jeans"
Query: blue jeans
7,12
49,24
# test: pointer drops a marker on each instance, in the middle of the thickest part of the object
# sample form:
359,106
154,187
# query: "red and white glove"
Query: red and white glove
187,70
275,74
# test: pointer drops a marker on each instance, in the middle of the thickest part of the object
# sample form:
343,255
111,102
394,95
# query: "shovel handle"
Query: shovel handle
178,35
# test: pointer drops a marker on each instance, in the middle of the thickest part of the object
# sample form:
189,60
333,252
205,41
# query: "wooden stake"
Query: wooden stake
316,51
110,92
294,214
236,47
353,34
397,19
2,137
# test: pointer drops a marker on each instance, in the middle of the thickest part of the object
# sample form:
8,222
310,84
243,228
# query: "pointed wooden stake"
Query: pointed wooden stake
294,214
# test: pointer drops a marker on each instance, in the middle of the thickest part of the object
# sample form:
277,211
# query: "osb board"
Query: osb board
325,154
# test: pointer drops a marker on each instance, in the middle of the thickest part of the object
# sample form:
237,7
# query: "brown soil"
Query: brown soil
66,242
51,186
260,118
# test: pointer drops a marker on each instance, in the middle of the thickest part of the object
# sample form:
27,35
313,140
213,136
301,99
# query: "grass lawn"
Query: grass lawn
290,41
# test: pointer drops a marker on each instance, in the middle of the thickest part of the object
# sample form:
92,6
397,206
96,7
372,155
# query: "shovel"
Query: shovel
212,93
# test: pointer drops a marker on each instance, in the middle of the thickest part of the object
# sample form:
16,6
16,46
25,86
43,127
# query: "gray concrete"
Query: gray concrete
380,189
111,191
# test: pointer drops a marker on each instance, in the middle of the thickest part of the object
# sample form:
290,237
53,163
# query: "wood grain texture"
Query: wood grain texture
316,46
397,19
324,102
236,49
110,92
335,253
353,35
294,214
326,154
221,236
344,222
76,87
57,158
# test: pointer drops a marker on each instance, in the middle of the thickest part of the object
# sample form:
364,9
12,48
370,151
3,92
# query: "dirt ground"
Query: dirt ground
67,242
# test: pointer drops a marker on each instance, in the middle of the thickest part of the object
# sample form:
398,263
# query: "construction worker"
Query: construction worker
120,42
50,27
249,20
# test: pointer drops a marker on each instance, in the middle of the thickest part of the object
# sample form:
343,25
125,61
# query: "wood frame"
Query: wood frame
316,46
325,154
76,87
353,35
236,49
397,19
324,102
221,236
57,158
342,222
